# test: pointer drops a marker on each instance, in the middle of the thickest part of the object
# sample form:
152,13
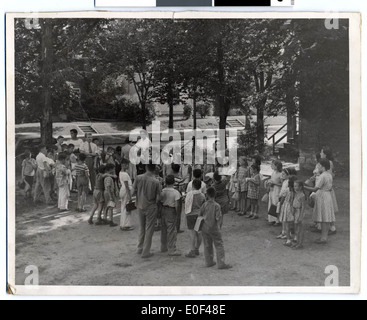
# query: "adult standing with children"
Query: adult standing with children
91,151
148,191
324,211
43,182
75,140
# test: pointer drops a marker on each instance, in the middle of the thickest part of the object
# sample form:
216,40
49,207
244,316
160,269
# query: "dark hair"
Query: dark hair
196,184
211,192
51,148
279,165
325,163
95,139
300,183
217,177
151,167
258,160
60,137
290,171
118,149
176,167
291,182
27,153
82,157
170,180
125,161
110,167
102,169
255,167
328,152
197,173
41,146
62,156
74,131
71,146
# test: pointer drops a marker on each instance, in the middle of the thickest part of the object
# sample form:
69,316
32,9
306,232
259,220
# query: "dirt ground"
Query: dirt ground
69,252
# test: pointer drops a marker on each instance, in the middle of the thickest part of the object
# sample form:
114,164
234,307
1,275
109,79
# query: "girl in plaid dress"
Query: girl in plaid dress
253,193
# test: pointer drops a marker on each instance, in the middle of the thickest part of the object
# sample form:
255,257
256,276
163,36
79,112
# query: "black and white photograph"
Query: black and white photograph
196,153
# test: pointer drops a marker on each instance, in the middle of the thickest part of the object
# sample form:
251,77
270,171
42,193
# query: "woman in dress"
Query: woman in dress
324,211
326,153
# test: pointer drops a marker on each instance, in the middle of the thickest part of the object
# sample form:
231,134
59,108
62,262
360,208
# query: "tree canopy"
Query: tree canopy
84,68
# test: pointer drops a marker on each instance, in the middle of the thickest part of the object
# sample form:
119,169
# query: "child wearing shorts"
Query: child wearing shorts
98,196
110,194
82,180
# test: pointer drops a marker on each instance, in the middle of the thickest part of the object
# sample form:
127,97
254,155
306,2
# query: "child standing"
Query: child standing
299,206
63,183
73,162
193,203
220,187
198,175
178,185
234,192
29,167
125,196
109,194
171,208
243,174
98,196
82,181
254,191
286,174
213,220
275,187
287,211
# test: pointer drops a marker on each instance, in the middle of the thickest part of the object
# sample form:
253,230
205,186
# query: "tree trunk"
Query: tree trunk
143,114
171,104
260,126
223,102
291,119
47,60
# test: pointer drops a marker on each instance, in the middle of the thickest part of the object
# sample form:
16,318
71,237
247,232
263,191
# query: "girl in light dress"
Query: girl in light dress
234,193
299,207
125,196
286,174
275,187
287,211
324,209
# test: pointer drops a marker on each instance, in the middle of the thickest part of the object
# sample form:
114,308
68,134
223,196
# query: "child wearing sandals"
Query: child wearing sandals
98,196
287,211
299,207
286,174
253,193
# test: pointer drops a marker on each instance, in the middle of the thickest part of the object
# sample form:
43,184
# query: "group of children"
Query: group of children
201,193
